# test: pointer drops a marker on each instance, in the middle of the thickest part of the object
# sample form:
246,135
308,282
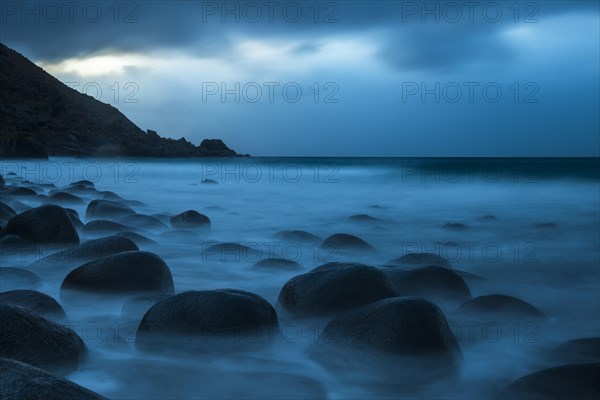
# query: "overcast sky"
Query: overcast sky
346,78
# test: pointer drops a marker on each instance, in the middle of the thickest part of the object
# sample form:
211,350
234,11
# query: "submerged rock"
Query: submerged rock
578,381
434,283
297,236
333,288
578,351
46,224
455,226
410,333
277,264
21,381
37,302
142,221
203,319
107,208
345,242
190,220
499,304
6,212
11,277
129,272
101,225
63,198
32,339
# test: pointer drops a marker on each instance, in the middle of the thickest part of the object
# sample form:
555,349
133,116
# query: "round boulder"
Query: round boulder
11,278
297,236
6,212
421,259
21,381
128,272
333,288
46,224
107,208
434,283
30,338
142,221
36,302
346,242
201,319
499,304
578,351
277,264
63,198
410,330
190,220
578,381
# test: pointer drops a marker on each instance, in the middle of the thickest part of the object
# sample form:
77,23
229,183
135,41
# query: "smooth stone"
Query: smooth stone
363,218
37,302
190,220
333,288
209,319
35,340
63,198
408,332
499,304
128,272
21,192
45,224
549,226
273,264
488,217
578,381
107,208
210,182
21,381
105,226
85,183
112,196
578,351
434,283
2,182
137,238
87,251
6,212
421,259
15,241
297,236
344,241
455,226
12,278
142,221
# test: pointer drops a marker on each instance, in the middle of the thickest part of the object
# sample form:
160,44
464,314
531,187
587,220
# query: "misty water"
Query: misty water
554,267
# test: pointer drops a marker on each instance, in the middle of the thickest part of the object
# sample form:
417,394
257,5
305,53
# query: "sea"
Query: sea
525,227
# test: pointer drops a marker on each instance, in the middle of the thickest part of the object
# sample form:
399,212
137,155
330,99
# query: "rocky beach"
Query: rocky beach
157,285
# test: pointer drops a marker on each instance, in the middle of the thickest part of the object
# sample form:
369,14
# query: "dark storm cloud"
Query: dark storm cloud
413,35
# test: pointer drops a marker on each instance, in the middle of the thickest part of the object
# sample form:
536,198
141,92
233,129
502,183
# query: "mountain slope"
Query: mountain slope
37,111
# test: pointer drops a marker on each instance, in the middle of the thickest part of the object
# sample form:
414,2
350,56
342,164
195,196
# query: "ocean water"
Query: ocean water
554,267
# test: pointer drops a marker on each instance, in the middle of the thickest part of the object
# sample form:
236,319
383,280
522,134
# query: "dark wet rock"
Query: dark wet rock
129,272
363,218
137,238
226,315
434,283
344,241
190,220
406,329
85,183
21,192
63,198
297,236
421,259
499,304
112,196
76,221
231,252
107,208
455,226
210,182
21,381
87,251
2,182
164,218
36,302
101,225
46,224
277,264
35,340
19,278
578,351
333,288
18,206
488,217
6,212
549,226
135,307
469,277
578,381
142,221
